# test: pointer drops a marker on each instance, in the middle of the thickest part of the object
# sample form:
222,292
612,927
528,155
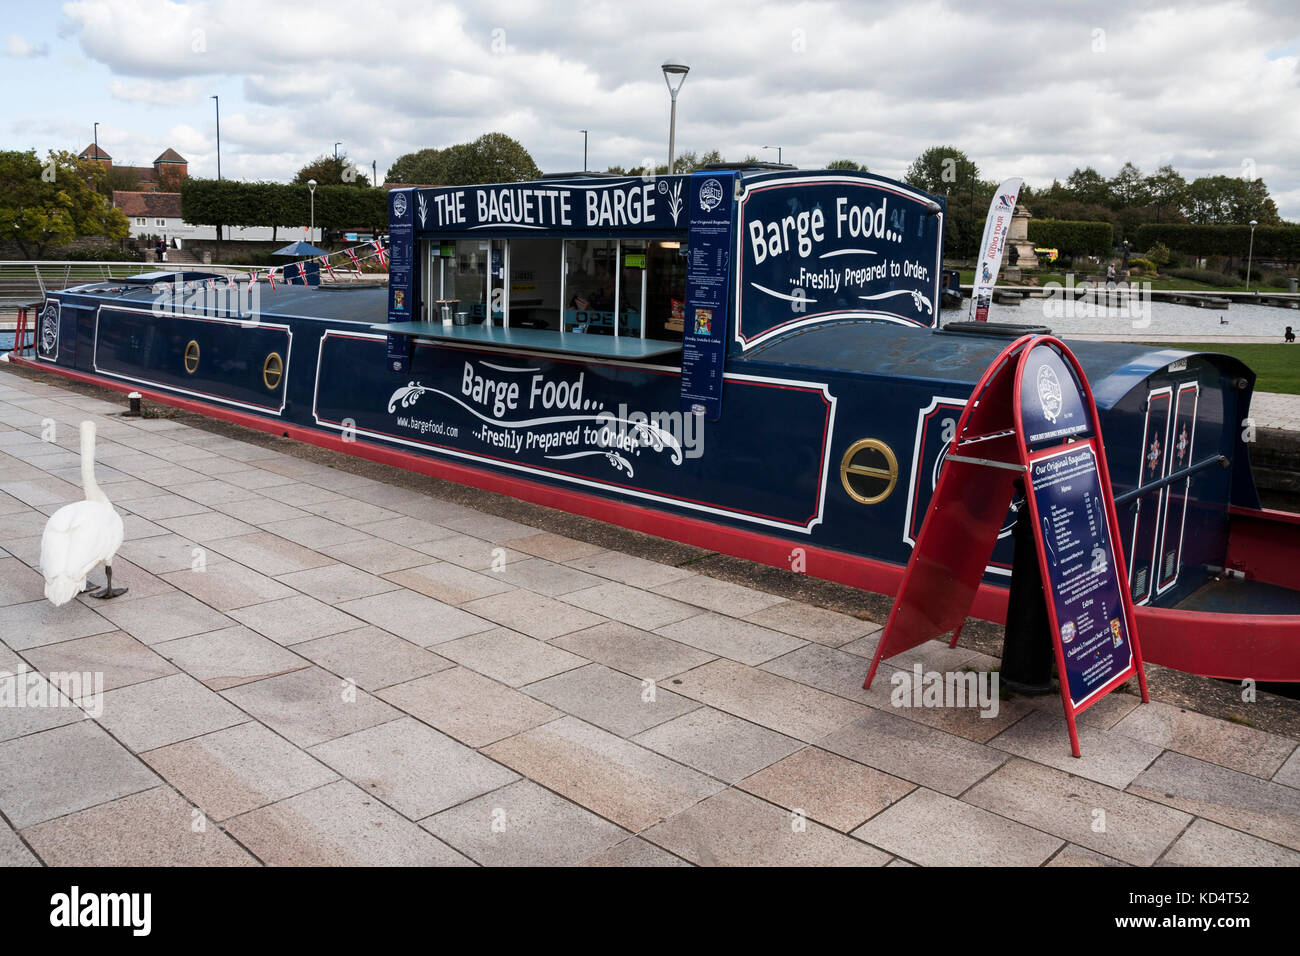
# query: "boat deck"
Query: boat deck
536,340
1239,596
297,618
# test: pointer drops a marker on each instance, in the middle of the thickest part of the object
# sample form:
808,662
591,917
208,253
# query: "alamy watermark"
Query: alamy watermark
82,689
1089,300
922,688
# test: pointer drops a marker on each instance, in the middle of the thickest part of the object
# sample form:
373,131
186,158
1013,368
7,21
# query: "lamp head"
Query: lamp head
674,69
1254,223
311,184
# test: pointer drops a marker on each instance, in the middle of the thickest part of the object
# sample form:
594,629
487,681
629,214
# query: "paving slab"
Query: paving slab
338,825
36,623
310,706
13,852
168,552
736,829
533,614
153,828
268,554
817,624
1089,814
1209,844
206,526
785,706
470,552
545,577
828,788
314,531
509,657
1207,738
417,618
228,586
64,770
400,529
413,768
630,605
165,710
293,620
1107,757
1289,772
932,829
913,751
630,785
723,597
717,743
19,584
229,657
628,569
635,851
377,556
446,582
730,637
609,699
553,547
1261,808
336,583
635,652
32,703
371,657
523,824
241,768
474,709
117,655
1072,855
163,617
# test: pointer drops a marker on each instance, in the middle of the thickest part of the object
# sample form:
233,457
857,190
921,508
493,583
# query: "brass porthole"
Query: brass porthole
272,370
192,357
869,471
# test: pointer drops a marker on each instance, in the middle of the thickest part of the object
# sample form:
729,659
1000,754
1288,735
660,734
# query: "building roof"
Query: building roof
151,205
94,152
170,155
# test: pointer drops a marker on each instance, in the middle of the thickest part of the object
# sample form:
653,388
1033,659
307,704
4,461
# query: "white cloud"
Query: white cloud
18,48
1020,85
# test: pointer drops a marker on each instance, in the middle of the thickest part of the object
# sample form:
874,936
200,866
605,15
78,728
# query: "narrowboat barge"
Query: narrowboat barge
746,360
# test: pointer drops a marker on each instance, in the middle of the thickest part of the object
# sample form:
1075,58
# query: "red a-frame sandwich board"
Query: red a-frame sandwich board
1031,419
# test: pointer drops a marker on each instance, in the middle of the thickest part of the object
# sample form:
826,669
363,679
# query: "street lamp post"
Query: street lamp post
778,153
96,142
1250,255
336,151
217,103
311,230
678,70
584,149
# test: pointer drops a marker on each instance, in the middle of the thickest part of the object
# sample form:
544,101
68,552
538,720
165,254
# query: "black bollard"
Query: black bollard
1027,644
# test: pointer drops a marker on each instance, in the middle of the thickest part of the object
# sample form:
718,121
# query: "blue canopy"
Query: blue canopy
299,249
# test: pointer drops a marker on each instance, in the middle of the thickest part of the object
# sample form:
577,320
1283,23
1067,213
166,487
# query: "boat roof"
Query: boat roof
895,351
365,304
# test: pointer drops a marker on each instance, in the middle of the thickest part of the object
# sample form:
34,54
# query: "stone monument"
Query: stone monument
1018,240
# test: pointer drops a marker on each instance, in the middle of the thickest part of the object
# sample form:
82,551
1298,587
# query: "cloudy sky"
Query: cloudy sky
1026,87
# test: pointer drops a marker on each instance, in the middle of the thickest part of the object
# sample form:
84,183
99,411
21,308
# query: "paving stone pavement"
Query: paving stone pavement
322,668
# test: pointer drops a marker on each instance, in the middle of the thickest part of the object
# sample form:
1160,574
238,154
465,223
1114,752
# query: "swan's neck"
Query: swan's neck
88,483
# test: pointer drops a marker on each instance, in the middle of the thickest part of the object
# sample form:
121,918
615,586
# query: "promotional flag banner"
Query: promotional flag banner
992,246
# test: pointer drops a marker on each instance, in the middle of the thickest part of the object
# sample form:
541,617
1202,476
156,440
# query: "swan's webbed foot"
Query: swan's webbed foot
108,591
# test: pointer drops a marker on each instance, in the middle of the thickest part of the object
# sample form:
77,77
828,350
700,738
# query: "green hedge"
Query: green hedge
229,202
1072,236
1271,242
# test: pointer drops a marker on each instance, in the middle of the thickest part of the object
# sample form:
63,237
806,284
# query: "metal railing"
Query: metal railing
25,283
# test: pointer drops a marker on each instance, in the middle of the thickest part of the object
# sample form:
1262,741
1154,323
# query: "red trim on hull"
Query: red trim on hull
1233,646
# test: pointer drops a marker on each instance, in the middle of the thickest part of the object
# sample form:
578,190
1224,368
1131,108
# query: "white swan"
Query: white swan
79,536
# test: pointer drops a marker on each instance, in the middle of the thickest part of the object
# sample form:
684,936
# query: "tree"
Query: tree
1229,200
418,168
170,179
328,171
1166,188
46,205
846,164
942,169
116,178
1088,186
492,158
1128,188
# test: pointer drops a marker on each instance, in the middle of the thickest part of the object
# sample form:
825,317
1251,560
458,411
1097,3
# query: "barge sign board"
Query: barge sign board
1031,425
707,267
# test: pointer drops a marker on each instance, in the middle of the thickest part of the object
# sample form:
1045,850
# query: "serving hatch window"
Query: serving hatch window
627,287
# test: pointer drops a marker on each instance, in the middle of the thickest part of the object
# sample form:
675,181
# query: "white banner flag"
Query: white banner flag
992,246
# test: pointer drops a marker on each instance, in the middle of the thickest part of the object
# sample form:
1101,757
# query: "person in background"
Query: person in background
160,251
1110,275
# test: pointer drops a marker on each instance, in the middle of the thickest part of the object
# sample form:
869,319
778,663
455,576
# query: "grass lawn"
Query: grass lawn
1276,364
